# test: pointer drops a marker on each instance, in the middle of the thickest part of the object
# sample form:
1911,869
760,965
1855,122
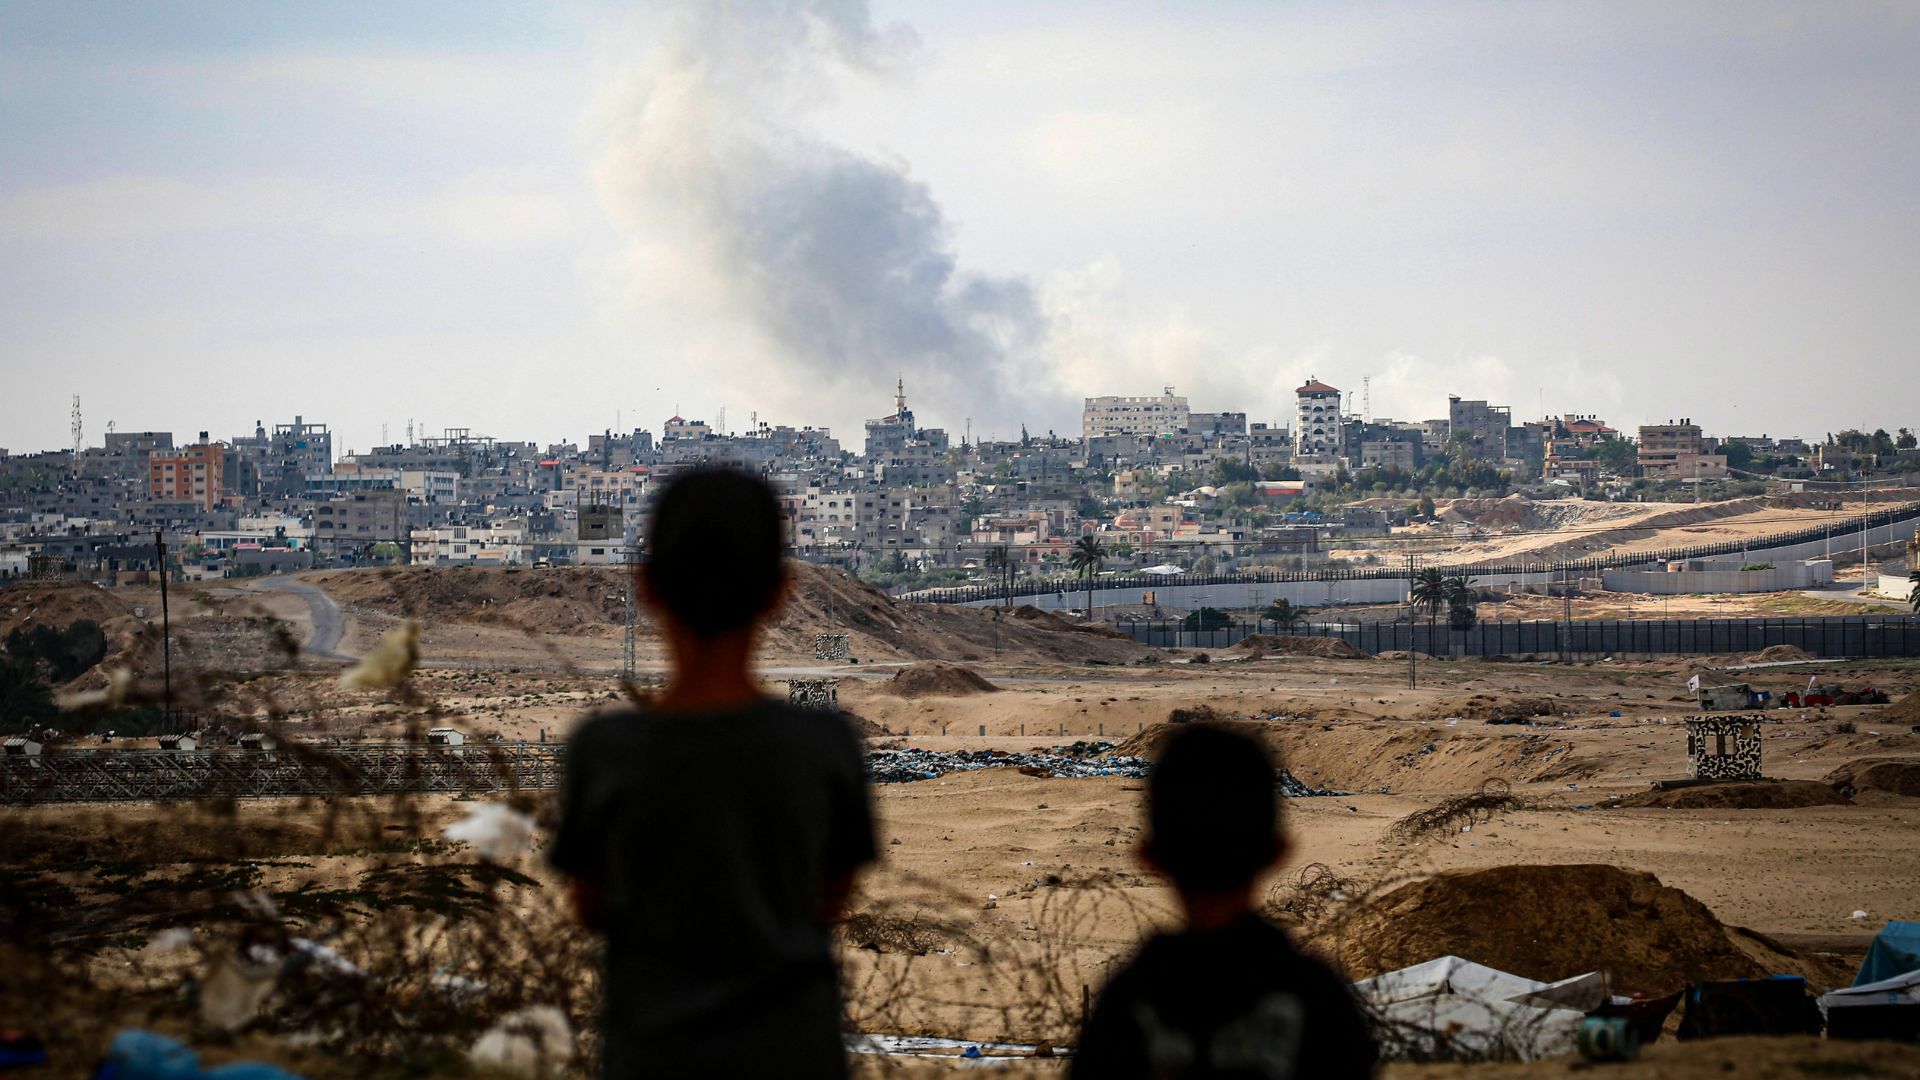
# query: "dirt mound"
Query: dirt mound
1741,795
1027,613
1780,654
935,679
1285,645
57,606
1903,713
1487,707
1896,776
1147,743
130,643
1544,922
589,601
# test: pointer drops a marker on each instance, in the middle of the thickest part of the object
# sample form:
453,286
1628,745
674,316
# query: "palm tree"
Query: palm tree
1429,591
1460,602
1000,559
1913,594
1086,559
1282,612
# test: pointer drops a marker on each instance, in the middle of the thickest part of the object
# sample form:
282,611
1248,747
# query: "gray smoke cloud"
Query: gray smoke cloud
800,268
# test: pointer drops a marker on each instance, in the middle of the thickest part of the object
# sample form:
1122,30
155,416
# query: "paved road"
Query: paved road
328,625
1850,592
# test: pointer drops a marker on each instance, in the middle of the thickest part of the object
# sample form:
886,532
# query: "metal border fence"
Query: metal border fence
66,776
1827,637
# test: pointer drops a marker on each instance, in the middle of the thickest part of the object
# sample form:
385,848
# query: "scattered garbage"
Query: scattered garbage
1082,759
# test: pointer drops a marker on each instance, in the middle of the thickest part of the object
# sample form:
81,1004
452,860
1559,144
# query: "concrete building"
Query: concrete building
1677,451
1316,421
1487,426
302,448
1163,415
680,428
1217,424
352,522
193,474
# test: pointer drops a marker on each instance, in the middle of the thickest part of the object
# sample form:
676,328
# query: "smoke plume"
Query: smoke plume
801,274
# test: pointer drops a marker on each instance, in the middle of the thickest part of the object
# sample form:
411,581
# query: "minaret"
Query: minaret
900,396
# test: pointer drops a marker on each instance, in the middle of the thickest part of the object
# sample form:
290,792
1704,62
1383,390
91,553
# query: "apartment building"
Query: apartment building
1316,421
192,474
1164,415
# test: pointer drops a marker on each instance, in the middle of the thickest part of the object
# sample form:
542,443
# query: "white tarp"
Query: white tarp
1902,989
1455,1008
1163,570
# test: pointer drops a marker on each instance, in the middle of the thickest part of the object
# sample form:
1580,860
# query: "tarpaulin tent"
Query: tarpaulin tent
1895,951
1888,1009
1455,1009
1775,1005
1163,570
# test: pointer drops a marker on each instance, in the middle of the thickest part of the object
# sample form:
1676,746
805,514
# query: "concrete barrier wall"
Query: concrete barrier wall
1894,586
1780,578
1845,545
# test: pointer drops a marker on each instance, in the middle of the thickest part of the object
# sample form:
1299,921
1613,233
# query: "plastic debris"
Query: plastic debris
526,1042
172,939
496,831
1859,914
137,1054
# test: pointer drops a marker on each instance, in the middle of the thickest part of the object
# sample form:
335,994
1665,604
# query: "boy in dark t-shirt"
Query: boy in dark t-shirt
1229,996
714,837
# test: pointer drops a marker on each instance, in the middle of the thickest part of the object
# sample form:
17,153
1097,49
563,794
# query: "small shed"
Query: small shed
1723,747
445,736
1727,697
179,742
21,746
814,693
259,740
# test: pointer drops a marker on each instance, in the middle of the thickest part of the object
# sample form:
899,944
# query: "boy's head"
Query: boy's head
1213,819
714,552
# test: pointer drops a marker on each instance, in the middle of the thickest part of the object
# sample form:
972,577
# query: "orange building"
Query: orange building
189,474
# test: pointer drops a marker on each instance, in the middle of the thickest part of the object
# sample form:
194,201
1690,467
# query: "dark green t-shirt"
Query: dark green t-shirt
711,838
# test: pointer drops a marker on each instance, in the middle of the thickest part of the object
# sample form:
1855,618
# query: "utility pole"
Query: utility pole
166,634
1413,654
1566,613
627,664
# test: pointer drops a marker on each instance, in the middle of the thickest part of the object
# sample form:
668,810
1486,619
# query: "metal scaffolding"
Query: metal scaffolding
70,776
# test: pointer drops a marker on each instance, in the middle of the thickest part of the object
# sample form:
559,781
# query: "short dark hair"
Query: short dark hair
1212,812
714,549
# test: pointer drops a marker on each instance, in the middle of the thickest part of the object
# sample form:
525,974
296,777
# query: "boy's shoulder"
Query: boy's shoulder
612,727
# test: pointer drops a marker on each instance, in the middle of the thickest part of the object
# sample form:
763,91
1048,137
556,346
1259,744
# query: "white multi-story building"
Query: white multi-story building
1163,415
453,545
1316,422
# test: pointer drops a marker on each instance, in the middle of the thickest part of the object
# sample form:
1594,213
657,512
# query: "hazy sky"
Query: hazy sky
529,220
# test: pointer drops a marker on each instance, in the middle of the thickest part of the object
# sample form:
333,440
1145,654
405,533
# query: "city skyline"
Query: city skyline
528,222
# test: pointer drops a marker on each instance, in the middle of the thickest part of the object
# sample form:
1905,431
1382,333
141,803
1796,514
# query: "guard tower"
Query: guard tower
1723,747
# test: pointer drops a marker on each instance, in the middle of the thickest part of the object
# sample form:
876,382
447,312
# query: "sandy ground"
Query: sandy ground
1020,893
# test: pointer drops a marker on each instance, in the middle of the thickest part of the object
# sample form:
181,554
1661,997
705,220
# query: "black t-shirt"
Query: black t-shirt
1237,1002
711,837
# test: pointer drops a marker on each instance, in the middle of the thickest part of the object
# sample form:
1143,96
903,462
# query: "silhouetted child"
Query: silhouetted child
714,837
1228,996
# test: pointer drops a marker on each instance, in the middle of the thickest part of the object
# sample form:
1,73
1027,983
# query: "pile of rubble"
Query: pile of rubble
1081,759
902,766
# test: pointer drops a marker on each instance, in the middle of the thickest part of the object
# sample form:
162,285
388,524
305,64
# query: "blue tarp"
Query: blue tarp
1895,951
